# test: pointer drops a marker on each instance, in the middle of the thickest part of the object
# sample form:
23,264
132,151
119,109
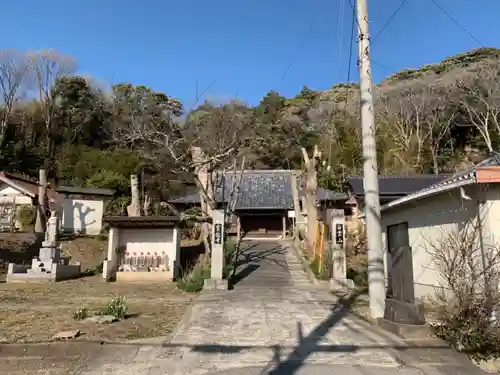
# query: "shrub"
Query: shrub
117,307
27,216
469,330
81,314
322,271
359,277
93,271
193,280
471,296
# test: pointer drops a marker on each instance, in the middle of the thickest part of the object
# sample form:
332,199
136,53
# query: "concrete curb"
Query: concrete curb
305,263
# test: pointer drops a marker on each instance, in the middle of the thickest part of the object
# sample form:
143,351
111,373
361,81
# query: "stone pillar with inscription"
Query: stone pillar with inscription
217,280
339,280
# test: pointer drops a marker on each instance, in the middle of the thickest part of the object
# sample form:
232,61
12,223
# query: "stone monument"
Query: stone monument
403,315
217,280
48,265
339,280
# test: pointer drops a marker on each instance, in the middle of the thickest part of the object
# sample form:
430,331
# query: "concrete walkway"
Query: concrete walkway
273,322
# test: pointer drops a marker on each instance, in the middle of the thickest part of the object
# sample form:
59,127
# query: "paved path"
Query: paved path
274,322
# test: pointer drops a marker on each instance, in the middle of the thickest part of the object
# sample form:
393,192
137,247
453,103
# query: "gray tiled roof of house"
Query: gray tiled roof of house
461,178
397,185
469,173
84,191
261,189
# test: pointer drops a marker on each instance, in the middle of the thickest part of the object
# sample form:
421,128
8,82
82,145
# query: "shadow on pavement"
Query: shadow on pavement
436,354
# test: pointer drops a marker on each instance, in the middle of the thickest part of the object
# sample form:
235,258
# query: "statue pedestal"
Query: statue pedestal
404,319
48,265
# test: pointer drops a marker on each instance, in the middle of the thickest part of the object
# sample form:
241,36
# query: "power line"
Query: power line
382,66
354,12
455,21
340,34
391,18
351,43
302,41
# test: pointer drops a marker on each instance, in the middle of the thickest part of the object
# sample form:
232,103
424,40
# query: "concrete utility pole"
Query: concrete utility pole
376,275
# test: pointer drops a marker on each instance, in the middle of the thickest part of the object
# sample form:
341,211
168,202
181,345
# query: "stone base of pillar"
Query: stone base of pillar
215,284
341,285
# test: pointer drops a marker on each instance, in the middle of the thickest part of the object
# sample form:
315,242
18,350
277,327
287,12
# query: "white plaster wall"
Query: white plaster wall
10,195
492,212
430,220
82,215
152,240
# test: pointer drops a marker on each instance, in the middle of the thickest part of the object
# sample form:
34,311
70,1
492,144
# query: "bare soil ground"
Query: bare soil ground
35,312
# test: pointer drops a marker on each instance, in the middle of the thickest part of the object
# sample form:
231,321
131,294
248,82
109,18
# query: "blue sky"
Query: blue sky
243,47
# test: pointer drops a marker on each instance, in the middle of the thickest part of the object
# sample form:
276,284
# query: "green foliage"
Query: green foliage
322,268
193,280
97,139
360,277
81,314
26,215
93,271
117,206
469,330
117,307
109,179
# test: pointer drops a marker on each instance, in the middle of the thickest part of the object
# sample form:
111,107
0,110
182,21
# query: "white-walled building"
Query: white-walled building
80,209
464,206
142,248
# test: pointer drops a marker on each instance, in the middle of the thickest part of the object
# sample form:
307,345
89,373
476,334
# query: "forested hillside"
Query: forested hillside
429,120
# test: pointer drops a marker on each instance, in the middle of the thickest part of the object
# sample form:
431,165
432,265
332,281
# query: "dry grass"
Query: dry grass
35,312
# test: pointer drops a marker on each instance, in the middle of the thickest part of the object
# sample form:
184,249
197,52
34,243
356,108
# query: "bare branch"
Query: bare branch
13,75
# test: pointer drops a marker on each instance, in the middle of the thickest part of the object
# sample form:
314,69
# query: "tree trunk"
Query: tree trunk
206,191
310,195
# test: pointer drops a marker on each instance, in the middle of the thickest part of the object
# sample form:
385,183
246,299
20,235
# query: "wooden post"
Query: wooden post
321,248
41,218
299,219
316,236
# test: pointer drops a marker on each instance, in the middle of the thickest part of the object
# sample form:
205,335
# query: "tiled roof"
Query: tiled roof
26,186
261,189
30,187
397,185
461,178
84,191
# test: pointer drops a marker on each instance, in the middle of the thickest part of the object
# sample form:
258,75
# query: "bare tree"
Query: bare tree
13,76
48,66
468,266
209,141
438,120
481,89
406,112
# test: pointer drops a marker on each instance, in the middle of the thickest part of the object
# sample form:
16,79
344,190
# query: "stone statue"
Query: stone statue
51,231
